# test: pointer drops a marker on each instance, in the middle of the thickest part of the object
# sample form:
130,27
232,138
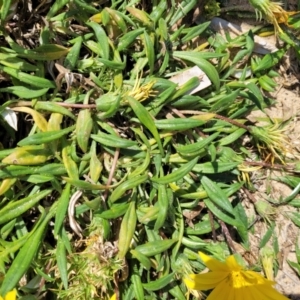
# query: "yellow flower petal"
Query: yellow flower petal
254,278
213,264
230,281
269,293
12,295
256,294
244,294
113,297
222,292
205,281
232,263
231,294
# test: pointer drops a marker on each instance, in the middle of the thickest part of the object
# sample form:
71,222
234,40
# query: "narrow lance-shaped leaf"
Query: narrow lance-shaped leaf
25,256
24,92
45,52
112,140
37,117
177,174
73,55
45,137
84,126
127,230
53,107
216,195
101,38
61,258
62,207
149,47
202,63
28,155
146,119
4,9
127,185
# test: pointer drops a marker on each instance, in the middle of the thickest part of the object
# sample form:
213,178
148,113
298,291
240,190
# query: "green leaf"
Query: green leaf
216,195
256,94
178,124
224,102
220,214
146,119
215,167
267,236
4,10
29,79
112,140
127,185
84,185
177,174
45,137
196,148
198,59
45,52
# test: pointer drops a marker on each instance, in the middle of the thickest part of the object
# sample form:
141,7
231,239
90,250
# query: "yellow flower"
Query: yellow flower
273,12
271,141
142,92
113,297
229,280
245,170
12,295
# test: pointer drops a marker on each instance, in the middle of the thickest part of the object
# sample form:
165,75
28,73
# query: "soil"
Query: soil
286,108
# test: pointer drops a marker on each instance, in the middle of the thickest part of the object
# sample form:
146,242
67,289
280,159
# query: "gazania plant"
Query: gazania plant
126,147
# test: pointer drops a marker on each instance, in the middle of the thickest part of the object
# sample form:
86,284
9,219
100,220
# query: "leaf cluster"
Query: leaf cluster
117,176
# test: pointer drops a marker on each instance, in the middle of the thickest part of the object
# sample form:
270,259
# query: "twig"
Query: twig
111,173
237,8
233,122
288,168
181,115
212,225
43,280
250,196
227,236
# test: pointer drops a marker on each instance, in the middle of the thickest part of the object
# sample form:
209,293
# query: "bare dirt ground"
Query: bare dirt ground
286,108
